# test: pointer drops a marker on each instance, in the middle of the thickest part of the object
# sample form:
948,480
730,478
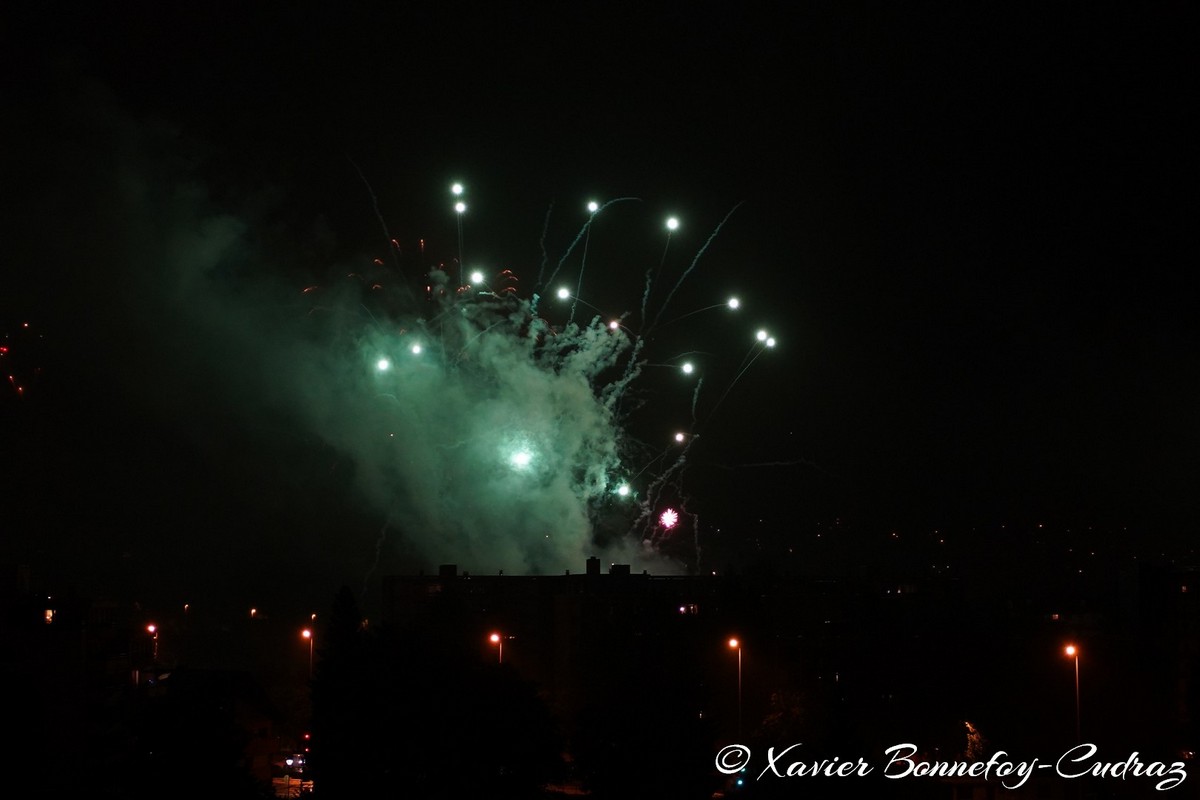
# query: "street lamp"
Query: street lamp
498,640
308,634
152,629
1073,652
734,644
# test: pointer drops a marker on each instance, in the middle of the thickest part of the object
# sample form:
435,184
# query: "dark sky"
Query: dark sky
969,226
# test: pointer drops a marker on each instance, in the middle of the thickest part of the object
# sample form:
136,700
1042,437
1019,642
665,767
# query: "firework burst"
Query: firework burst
498,421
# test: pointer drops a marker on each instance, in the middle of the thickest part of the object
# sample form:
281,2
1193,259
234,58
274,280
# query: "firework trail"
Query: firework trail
763,343
394,246
587,226
537,287
645,525
582,265
692,266
379,541
672,223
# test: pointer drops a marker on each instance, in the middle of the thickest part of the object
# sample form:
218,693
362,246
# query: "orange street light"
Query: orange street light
308,634
1073,652
152,629
734,644
498,640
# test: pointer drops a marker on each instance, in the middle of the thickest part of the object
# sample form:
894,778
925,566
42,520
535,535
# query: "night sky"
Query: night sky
968,226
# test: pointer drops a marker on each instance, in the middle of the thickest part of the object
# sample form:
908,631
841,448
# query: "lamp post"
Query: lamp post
734,644
152,629
1073,652
308,634
498,640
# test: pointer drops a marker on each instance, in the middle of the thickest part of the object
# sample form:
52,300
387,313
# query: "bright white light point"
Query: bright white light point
593,207
460,206
612,326
383,365
416,349
669,518
679,437
762,336
521,459
734,302
623,490
688,368
564,293
770,341
457,188
672,223
476,277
